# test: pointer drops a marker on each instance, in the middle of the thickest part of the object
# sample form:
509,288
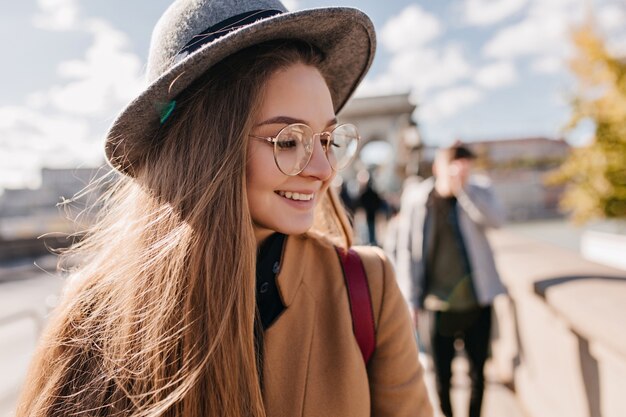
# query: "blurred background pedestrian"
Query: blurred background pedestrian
452,275
372,203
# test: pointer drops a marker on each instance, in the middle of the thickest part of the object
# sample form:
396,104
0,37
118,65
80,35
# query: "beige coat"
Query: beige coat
313,365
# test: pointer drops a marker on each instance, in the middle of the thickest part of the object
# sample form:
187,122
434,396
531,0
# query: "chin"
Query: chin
296,230
293,227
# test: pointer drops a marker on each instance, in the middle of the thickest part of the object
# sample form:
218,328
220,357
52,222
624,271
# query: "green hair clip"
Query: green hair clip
167,110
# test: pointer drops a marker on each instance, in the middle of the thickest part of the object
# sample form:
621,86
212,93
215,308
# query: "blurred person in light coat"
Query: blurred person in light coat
446,268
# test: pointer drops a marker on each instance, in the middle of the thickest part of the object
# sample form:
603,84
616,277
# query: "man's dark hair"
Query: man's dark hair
457,151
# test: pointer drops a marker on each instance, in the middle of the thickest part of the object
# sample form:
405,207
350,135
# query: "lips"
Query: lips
295,196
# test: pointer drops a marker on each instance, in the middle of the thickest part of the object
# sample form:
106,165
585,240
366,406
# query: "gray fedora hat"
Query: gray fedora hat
193,35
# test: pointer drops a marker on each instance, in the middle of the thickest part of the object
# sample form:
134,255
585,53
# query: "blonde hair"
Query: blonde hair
158,319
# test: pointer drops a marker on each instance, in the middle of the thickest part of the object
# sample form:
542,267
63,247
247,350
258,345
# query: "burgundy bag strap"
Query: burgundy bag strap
360,301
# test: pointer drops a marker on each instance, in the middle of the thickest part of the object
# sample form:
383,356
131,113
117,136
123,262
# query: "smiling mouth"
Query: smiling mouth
296,196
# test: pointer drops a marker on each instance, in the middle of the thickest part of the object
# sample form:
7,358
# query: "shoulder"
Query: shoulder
318,246
479,183
415,194
380,276
374,260
420,188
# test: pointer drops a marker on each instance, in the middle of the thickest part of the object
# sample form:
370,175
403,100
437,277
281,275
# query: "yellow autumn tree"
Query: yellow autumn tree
596,173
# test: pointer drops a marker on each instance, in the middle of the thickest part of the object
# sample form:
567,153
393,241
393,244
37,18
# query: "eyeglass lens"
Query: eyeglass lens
294,147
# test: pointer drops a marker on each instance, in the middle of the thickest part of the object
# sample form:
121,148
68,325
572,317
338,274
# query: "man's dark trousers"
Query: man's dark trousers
473,327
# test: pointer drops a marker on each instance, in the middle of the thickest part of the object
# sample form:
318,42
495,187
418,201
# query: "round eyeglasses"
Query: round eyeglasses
293,146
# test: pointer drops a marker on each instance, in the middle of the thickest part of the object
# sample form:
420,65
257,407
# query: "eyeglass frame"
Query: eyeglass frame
273,141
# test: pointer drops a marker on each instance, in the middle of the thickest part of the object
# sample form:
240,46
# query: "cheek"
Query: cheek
255,165
262,178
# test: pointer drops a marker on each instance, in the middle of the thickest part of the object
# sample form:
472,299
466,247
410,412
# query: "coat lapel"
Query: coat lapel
285,381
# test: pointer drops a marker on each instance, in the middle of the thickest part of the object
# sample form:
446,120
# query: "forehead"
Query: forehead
298,91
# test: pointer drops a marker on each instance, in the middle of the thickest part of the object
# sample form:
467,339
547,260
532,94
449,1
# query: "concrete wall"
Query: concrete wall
561,334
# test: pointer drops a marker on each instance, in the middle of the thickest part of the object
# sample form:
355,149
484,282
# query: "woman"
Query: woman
229,153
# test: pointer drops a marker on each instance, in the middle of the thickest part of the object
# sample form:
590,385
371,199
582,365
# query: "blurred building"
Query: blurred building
31,219
390,140
517,169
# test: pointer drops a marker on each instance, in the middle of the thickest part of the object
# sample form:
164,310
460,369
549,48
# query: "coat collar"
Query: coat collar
292,267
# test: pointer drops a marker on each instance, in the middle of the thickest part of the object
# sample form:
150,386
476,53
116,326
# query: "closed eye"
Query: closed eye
287,144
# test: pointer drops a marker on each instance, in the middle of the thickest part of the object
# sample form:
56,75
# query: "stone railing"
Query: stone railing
560,336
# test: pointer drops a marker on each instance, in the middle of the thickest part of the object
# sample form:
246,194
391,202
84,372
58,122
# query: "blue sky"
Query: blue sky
477,69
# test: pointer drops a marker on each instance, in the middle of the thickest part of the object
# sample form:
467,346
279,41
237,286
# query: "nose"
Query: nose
318,165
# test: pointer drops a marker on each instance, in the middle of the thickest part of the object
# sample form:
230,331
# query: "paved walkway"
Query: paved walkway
24,305
499,401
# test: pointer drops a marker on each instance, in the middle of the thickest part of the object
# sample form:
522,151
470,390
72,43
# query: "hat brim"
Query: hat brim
345,35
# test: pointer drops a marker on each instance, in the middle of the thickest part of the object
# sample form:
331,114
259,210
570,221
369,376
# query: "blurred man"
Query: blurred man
372,203
446,267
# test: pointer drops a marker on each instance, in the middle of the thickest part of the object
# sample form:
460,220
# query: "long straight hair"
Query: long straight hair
158,317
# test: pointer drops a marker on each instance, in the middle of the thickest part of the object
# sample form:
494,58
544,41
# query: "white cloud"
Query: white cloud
415,66
496,75
547,65
488,12
37,100
410,29
57,15
617,47
30,139
421,70
382,85
532,36
19,169
611,18
105,78
432,68
544,34
108,75
544,31
21,127
292,5
448,102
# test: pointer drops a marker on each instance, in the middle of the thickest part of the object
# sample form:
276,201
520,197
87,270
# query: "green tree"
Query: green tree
596,173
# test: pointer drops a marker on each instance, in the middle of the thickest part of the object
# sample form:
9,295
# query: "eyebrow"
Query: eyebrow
286,120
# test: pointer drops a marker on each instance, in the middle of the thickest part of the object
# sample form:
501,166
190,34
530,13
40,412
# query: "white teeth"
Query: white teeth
296,196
